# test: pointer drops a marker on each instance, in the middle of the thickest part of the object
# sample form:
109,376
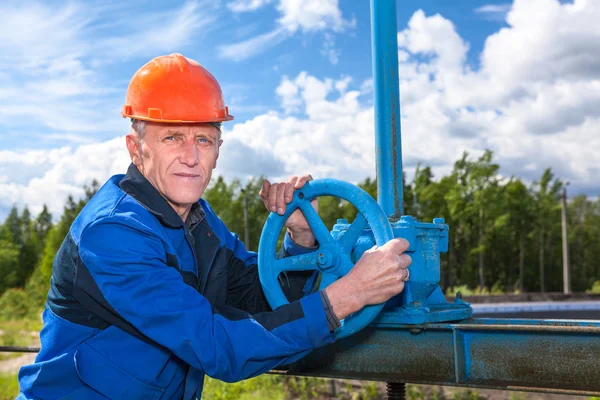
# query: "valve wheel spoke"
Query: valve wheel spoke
351,236
302,262
316,223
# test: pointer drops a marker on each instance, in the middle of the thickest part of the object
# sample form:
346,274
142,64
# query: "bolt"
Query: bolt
439,221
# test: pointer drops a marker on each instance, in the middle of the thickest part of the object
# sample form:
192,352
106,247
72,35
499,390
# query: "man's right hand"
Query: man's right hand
377,276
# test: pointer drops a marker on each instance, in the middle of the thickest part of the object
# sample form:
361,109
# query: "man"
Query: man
150,290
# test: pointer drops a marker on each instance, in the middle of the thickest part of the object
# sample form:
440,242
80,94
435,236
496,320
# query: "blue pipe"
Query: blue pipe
388,147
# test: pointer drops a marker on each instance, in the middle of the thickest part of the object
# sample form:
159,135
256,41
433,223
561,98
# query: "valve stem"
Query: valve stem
396,391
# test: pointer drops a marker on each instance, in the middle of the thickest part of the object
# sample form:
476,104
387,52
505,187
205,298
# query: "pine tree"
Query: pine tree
43,223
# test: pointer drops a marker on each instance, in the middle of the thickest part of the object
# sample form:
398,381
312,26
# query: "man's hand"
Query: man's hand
277,196
377,276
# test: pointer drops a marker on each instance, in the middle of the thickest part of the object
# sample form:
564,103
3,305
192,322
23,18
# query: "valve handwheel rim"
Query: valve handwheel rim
332,257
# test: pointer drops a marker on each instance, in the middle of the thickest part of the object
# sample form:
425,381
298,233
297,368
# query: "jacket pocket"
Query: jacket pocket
109,379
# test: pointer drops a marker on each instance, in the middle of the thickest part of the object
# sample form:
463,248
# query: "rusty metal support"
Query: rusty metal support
556,356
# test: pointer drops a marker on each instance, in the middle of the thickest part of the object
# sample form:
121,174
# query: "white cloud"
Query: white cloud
31,35
546,40
253,46
329,50
296,15
313,15
240,6
288,92
493,8
48,177
494,11
327,138
434,36
536,94
50,75
161,32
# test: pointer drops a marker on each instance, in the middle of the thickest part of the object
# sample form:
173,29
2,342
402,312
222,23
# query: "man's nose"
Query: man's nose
189,154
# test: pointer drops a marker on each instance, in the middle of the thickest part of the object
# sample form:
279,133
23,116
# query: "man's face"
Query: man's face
177,159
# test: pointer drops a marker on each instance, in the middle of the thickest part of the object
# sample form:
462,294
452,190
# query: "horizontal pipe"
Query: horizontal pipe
540,356
19,349
530,328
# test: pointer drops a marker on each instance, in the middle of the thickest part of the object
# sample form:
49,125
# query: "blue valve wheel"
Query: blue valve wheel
332,257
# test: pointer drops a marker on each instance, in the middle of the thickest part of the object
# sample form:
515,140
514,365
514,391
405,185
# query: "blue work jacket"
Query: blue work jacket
143,305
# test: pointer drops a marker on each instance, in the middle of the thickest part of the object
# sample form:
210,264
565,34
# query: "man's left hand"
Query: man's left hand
277,196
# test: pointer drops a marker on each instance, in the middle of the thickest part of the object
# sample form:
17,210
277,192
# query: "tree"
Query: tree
43,223
29,251
11,229
547,199
519,209
55,236
9,261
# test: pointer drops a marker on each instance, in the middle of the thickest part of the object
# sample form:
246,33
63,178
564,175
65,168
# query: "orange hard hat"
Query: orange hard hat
175,89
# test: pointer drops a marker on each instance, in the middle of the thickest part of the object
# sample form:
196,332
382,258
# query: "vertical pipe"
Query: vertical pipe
246,224
565,243
388,149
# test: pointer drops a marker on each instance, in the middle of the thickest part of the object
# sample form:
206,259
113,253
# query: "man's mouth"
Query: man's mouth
185,175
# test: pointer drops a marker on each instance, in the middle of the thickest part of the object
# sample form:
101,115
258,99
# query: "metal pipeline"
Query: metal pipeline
513,354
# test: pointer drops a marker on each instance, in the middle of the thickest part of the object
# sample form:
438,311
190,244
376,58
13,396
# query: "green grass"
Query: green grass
267,387
18,333
9,386
276,387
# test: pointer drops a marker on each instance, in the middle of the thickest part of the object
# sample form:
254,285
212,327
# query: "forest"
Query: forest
505,234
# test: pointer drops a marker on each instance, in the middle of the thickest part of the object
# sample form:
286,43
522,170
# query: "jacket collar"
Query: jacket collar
137,186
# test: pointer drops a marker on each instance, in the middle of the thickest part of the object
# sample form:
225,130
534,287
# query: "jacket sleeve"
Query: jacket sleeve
244,288
128,275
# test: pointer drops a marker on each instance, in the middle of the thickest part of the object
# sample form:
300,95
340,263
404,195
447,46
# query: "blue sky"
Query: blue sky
521,78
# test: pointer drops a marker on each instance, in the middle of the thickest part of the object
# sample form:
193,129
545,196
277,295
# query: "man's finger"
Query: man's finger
272,202
281,190
264,191
302,180
289,189
399,245
405,260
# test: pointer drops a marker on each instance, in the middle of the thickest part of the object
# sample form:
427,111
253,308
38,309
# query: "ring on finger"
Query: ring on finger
407,275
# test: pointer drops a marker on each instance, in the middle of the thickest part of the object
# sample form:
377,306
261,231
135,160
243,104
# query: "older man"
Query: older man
150,290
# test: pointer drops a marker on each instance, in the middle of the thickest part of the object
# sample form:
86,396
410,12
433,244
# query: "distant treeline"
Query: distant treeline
504,234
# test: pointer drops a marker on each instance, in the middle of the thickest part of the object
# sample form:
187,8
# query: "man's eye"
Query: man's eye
170,138
203,140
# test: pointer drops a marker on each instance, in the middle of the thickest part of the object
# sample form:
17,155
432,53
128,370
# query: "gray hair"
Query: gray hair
139,127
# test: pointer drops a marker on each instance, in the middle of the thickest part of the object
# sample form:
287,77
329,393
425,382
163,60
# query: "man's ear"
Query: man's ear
134,148
218,150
